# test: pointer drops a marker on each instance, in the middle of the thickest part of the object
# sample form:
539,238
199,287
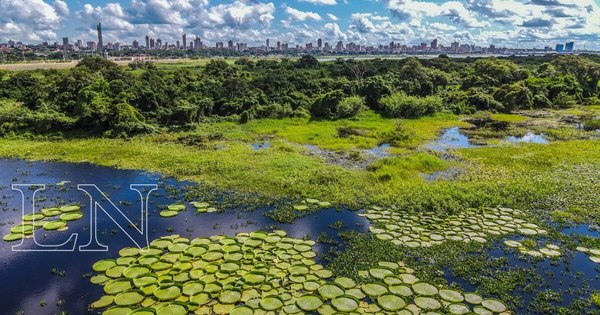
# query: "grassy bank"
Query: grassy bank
220,155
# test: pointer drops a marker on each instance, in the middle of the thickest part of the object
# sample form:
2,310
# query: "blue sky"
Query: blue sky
526,23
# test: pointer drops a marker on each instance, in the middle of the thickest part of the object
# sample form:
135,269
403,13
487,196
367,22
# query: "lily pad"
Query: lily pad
168,213
427,303
494,305
271,303
128,298
390,302
309,303
344,304
330,291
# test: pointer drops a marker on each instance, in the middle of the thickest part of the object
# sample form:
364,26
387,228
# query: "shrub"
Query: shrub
401,105
335,105
350,107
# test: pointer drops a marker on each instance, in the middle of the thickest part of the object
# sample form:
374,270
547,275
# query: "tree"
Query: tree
586,71
373,89
495,72
307,62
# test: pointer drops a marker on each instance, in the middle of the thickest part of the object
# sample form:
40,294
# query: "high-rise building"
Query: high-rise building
184,41
135,44
434,44
268,42
100,45
65,43
91,46
569,47
147,42
278,45
79,43
230,44
158,43
320,44
454,47
178,45
197,43
560,48
151,45
339,46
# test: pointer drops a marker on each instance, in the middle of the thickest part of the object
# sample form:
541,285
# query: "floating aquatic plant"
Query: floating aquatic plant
261,273
46,219
424,230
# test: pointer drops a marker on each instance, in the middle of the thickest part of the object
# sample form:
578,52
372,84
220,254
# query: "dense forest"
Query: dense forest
98,97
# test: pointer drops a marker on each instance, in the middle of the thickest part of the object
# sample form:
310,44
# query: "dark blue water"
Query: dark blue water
573,275
26,276
582,230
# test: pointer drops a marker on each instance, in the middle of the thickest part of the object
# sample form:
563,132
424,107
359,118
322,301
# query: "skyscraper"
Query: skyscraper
434,44
184,42
320,44
560,48
268,44
100,38
569,47
147,42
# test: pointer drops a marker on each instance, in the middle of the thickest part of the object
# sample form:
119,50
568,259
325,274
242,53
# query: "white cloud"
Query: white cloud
320,2
333,17
61,8
298,15
33,20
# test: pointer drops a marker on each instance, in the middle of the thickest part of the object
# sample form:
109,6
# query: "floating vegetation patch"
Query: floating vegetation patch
204,207
310,204
528,248
261,273
593,253
424,230
49,219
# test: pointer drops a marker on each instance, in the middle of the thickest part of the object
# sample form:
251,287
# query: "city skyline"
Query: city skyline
538,23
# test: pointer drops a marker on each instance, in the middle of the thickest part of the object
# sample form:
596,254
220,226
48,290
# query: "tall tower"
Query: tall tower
184,42
147,42
100,45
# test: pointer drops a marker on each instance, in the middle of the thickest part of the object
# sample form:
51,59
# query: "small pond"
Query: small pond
530,137
450,139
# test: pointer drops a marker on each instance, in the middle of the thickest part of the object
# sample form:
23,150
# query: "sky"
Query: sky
509,23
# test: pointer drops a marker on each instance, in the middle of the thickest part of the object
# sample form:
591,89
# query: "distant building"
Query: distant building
569,47
560,48
100,45
278,45
320,44
434,44
268,43
184,41
135,44
197,43
91,46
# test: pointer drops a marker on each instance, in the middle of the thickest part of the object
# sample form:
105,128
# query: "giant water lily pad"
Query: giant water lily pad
494,305
424,288
345,304
242,310
390,302
71,216
104,301
271,303
309,303
71,208
167,293
427,303
172,309
168,213
13,237
54,225
374,289
330,291
128,298
451,296
230,296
